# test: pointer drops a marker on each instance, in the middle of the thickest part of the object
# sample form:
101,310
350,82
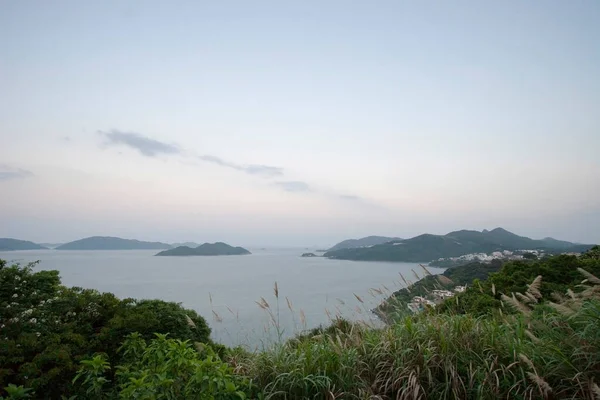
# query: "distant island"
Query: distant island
363,242
8,244
186,244
309,255
428,247
50,245
112,243
206,249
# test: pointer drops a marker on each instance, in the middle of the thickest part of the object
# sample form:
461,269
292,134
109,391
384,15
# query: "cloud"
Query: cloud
263,170
7,173
294,186
146,146
253,169
349,197
152,148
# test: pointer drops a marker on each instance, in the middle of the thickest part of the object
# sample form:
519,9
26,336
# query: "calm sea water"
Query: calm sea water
225,289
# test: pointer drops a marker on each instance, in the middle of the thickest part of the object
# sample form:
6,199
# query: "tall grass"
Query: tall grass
546,351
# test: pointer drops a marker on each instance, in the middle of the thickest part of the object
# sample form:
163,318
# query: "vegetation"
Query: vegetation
503,345
457,276
206,249
46,329
162,368
560,274
111,243
426,248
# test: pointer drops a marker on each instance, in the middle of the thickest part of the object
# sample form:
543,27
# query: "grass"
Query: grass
547,351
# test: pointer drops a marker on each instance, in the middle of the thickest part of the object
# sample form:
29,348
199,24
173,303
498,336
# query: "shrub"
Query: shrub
162,368
46,329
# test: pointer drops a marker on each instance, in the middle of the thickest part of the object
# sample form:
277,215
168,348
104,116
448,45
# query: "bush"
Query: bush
46,329
162,368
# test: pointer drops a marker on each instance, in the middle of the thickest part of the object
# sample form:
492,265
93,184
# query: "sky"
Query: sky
298,123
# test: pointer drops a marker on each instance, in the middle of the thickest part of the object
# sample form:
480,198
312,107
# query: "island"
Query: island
112,243
309,255
206,249
8,244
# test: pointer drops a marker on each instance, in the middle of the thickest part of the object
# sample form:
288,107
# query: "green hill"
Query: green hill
428,247
7,244
206,249
112,243
363,242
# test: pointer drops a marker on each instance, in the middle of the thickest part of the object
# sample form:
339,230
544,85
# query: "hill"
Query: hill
8,244
428,247
112,243
186,244
363,242
206,249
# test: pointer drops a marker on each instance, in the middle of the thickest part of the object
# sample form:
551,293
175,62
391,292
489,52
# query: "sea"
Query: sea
236,294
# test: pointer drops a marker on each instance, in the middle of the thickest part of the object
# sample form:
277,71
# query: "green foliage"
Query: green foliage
162,369
395,305
46,329
14,392
546,355
559,274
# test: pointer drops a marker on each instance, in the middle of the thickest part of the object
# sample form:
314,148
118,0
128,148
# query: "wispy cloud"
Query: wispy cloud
253,169
350,197
7,173
153,148
294,186
147,146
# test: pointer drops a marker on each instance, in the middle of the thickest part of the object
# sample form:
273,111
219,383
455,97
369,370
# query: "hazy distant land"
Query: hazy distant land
7,244
112,243
206,249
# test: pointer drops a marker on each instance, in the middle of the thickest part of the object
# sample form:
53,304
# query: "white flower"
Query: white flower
42,302
17,278
2,326
15,296
33,320
28,312
8,306
37,334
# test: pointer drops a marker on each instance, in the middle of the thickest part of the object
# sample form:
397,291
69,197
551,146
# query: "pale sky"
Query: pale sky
298,123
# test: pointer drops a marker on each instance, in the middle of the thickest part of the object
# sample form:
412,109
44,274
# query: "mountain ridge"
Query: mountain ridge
428,247
112,243
10,244
362,242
